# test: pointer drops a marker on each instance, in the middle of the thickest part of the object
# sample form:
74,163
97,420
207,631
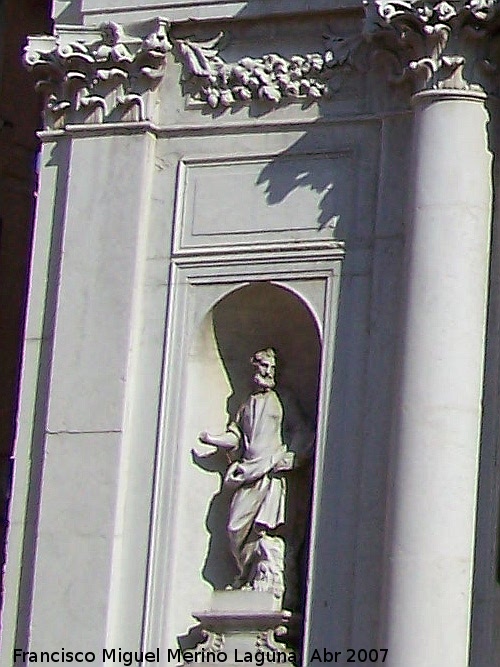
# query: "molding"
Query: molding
437,45
95,129
258,253
102,75
425,97
217,128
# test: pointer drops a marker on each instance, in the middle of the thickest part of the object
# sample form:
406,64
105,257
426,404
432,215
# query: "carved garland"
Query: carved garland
271,77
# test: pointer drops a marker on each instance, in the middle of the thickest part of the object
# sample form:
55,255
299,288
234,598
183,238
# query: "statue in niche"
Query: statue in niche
258,504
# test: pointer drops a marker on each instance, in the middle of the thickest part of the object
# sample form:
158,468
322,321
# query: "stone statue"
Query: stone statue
258,504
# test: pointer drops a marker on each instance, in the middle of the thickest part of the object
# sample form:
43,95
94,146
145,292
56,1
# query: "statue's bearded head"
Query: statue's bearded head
264,363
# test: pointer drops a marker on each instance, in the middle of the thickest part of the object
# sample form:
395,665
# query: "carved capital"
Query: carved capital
443,44
98,75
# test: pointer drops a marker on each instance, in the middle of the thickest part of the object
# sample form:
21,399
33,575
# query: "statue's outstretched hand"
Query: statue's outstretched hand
227,440
203,455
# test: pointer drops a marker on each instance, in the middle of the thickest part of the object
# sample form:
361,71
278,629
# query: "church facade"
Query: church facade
310,186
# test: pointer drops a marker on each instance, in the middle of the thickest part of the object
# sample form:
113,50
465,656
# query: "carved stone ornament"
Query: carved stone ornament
256,479
212,641
98,76
270,77
432,44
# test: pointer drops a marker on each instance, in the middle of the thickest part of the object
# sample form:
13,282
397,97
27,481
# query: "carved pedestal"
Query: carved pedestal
244,626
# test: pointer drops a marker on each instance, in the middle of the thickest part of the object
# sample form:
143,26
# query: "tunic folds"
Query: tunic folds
258,502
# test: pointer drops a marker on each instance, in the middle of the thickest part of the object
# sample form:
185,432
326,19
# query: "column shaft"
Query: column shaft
434,481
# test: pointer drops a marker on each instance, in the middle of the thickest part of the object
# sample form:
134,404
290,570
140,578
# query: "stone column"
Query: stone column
433,506
433,486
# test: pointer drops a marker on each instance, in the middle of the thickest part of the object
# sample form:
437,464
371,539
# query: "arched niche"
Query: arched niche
220,312
262,315
216,381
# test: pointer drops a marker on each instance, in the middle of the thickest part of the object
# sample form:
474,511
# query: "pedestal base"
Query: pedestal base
243,627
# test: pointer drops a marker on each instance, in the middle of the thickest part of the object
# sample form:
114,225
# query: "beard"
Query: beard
263,382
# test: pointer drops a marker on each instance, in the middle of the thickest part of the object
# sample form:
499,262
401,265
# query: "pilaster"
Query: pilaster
82,336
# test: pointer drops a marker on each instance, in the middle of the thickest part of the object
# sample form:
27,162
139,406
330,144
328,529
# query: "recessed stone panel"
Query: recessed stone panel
264,199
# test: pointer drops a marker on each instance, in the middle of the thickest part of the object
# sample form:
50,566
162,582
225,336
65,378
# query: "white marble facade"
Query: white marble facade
221,176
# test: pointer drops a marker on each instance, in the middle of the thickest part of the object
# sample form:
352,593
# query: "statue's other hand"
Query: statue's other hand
235,476
286,463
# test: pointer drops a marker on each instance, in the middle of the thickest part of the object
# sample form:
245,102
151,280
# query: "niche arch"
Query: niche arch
264,314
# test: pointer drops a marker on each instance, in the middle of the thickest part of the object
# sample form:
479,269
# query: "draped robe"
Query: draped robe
258,503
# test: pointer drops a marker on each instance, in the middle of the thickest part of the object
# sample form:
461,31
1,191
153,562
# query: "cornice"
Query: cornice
211,10
98,75
437,45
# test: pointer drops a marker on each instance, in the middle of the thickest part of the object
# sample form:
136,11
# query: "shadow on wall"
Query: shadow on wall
68,12
320,181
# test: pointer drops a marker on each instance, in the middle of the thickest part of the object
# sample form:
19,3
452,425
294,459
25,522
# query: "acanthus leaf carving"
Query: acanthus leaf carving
212,641
98,76
435,13
429,43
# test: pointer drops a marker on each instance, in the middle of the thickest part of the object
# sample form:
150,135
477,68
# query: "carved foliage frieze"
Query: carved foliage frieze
98,76
432,44
270,77
108,75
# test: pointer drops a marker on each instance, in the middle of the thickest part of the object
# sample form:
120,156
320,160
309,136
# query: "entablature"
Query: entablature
111,73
